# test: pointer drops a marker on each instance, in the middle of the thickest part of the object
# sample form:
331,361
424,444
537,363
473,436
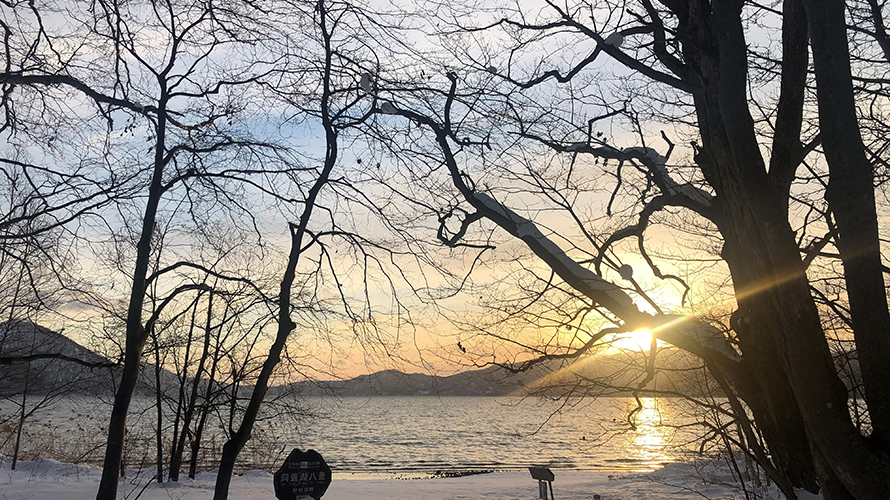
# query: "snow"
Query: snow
626,272
526,229
679,327
48,479
699,332
365,83
659,164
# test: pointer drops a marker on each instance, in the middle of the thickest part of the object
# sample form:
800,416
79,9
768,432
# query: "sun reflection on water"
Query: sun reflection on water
649,443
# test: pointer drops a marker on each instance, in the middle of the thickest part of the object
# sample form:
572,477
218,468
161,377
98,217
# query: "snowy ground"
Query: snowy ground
49,480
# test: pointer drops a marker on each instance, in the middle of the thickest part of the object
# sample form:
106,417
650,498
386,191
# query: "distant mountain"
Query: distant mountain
43,360
602,375
597,375
47,361
24,338
485,382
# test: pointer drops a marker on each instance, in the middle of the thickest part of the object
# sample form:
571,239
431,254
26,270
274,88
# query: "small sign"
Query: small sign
545,480
302,475
541,473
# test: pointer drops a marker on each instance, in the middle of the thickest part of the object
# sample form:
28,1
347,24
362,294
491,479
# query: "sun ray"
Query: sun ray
637,340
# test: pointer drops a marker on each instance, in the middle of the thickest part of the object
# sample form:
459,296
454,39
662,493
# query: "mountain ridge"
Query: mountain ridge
554,379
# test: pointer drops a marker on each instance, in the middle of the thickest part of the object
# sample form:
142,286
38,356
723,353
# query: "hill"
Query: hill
485,382
43,360
61,364
46,361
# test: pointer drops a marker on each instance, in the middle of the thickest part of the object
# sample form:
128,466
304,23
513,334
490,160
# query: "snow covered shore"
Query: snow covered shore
51,480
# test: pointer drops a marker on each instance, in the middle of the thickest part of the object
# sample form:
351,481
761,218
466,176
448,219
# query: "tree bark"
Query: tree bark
850,195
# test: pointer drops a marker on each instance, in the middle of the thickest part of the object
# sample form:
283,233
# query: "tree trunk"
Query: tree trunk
195,444
239,438
236,441
136,334
179,444
850,195
780,331
764,386
774,298
175,449
22,413
159,410
117,427
205,410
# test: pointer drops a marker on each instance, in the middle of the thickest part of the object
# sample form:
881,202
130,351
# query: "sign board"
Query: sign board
541,473
302,474
545,480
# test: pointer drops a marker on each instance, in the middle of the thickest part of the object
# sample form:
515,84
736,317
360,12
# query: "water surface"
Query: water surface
403,436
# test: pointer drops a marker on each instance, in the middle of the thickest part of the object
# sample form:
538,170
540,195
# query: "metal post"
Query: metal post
545,481
542,490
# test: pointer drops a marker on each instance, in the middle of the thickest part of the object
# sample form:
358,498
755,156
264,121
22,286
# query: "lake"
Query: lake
404,436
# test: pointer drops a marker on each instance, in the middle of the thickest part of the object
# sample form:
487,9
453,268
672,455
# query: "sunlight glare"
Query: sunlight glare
638,340
649,443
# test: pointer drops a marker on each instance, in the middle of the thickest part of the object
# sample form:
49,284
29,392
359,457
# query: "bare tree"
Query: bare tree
690,63
195,94
173,92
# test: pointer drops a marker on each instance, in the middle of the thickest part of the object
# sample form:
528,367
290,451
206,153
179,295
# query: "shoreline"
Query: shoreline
51,480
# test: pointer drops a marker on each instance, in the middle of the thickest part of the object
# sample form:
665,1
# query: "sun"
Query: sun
638,340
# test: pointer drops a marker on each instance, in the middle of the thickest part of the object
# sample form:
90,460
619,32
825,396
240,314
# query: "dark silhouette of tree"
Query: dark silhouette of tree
148,122
140,124
755,165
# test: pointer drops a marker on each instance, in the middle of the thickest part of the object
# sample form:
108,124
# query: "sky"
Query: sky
403,327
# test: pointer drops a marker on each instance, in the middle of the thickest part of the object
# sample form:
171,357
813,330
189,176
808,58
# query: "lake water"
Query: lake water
407,436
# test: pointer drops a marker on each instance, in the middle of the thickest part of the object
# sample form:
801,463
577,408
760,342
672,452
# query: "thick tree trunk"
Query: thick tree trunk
763,385
777,308
230,452
732,163
114,449
850,195
779,328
